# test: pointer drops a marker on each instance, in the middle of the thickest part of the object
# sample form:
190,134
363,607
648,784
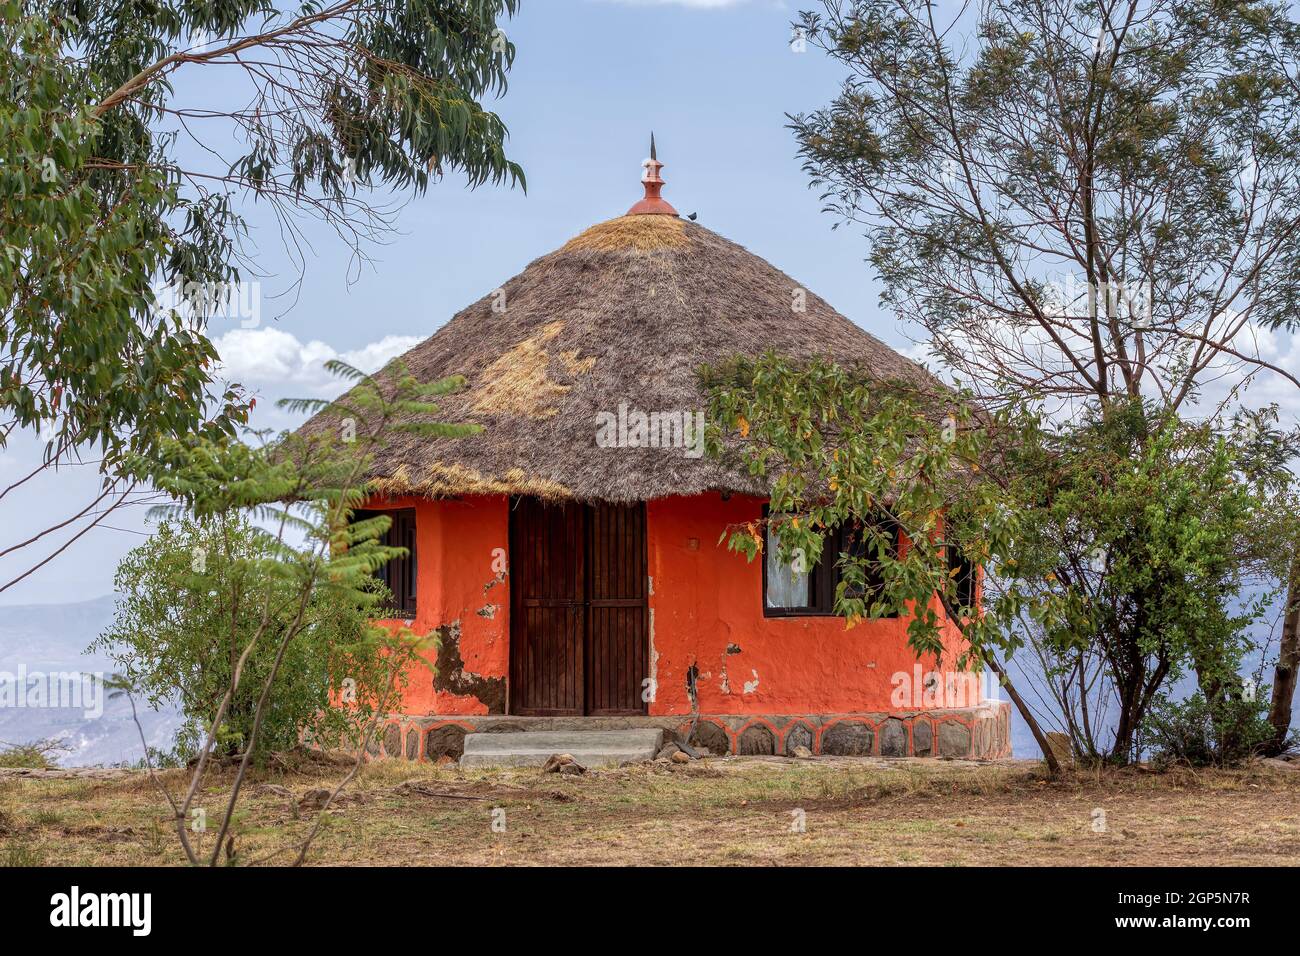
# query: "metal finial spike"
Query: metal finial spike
652,145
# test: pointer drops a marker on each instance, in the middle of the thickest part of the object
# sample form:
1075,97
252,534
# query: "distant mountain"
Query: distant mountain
52,638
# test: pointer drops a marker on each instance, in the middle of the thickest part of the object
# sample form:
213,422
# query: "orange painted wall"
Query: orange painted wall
704,598
457,544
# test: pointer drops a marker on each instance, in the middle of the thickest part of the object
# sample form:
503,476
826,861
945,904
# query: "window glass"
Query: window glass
786,587
810,589
399,574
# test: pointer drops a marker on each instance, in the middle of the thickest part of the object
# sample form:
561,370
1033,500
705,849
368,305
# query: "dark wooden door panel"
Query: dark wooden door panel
548,606
616,609
579,609
550,671
616,662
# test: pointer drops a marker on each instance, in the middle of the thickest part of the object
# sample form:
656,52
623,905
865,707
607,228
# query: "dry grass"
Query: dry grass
733,811
441,480
635,233
518,384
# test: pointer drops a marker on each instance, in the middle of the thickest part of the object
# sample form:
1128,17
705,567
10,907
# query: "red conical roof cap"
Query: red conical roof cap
651,204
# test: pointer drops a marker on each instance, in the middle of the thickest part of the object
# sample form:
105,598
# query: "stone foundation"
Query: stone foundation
972,733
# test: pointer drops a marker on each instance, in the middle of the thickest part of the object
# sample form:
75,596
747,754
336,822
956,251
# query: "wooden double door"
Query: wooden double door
579,618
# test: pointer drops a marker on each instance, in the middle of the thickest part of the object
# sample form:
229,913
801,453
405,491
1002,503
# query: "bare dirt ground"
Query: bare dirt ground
719,811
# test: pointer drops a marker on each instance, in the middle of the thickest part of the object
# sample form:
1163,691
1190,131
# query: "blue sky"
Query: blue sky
713,79
592,78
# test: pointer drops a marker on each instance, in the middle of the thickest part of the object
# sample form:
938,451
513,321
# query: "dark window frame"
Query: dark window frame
824,575
400,574
967,580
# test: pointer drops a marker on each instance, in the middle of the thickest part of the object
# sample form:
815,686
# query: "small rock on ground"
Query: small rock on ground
562,763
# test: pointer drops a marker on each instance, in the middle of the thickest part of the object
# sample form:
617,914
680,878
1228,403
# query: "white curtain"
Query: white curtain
786,587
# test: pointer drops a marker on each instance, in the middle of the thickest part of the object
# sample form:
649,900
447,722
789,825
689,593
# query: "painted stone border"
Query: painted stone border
971,733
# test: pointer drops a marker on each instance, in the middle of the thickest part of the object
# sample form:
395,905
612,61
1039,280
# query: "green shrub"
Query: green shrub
197,593
1199,733
19,853
35,755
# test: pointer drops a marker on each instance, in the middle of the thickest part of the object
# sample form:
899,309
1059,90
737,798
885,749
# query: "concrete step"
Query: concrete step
591,748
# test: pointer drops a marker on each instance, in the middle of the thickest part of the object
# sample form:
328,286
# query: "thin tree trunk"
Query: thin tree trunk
1026,714
1288,662
986,656
1130,693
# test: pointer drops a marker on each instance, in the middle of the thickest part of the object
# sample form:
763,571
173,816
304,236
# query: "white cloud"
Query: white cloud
1228,383
274,360
1277,347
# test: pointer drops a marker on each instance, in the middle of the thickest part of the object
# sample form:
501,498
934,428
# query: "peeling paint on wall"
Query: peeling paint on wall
452,678
706,601
488,611
654,658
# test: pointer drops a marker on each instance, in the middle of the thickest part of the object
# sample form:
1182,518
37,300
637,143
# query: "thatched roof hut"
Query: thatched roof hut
625,313
573,574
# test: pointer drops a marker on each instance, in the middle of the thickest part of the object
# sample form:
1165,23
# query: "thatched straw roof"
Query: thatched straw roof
626,312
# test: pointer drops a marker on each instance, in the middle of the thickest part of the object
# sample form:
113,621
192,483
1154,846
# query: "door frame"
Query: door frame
519,619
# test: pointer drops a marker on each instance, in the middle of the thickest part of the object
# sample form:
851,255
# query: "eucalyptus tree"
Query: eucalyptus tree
1095,204
133,138
1086,201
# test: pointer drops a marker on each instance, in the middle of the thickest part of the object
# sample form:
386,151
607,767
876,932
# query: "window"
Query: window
788,586
965,577
807,587
399,573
